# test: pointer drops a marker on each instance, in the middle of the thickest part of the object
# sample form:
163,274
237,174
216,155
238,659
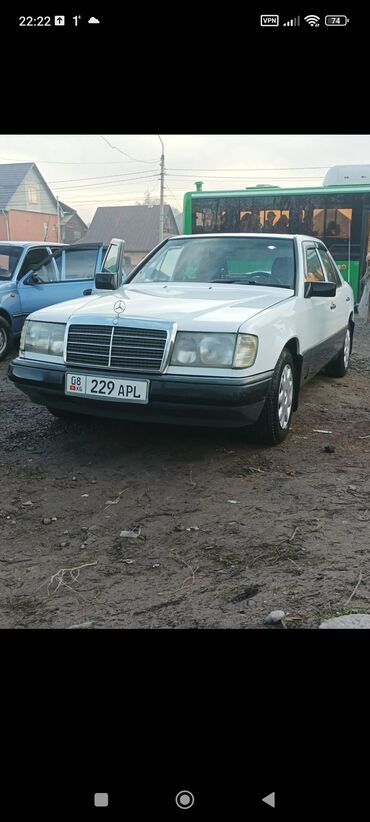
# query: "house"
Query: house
72,227
30,211
137,225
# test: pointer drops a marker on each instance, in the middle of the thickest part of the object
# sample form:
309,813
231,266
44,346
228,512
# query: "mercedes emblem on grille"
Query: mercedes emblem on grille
119,307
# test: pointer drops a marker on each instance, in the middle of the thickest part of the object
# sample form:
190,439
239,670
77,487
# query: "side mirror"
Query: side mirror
107,280
319,289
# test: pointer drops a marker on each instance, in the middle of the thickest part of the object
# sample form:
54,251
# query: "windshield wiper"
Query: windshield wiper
251,282
269,285
243,282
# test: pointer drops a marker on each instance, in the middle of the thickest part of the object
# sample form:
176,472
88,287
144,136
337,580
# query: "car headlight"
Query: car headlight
42,338
214,350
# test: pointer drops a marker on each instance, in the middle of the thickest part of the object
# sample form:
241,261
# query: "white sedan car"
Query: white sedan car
208,330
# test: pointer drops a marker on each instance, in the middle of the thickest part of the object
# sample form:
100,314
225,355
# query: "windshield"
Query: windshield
243,260
9,256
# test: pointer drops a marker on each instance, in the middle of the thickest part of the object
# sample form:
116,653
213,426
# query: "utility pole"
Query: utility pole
161,200
58,220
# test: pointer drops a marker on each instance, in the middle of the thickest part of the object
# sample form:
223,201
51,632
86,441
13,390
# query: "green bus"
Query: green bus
338,213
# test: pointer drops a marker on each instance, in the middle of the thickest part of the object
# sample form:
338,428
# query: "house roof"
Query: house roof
68,212
11,176
66,208
138,225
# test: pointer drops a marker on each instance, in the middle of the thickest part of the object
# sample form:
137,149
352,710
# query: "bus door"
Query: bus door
347,258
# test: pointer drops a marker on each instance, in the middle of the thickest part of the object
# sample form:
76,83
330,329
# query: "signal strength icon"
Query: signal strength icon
312,20
295,21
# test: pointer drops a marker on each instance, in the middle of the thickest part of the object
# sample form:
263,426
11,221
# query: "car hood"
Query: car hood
191,306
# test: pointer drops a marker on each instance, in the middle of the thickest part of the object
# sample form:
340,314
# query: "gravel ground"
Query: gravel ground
225,530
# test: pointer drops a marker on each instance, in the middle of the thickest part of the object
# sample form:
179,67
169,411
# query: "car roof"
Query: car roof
29,243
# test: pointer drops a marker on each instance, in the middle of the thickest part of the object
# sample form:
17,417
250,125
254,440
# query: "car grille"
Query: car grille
123,347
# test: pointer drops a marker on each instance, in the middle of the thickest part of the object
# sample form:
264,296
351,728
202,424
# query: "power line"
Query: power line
221,177
134,159
111,183
99,177
173,195
271,168
7,191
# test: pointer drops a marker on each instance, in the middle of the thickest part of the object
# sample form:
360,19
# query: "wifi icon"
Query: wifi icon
312,20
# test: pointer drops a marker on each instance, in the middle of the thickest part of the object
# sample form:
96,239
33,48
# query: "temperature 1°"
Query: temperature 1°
77,18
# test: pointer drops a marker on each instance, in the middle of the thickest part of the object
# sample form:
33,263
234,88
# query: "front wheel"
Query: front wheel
339,366
274,422
5,338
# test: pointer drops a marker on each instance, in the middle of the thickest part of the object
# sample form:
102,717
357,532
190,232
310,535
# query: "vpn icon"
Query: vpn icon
312,20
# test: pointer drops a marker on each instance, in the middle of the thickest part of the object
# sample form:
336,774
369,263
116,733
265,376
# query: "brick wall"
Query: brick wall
28,225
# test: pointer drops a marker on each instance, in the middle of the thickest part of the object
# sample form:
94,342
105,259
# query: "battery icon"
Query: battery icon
336,20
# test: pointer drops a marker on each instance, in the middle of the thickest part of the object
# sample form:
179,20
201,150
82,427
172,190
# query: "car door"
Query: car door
77,265
318,312
37,280
339,306
114,257
111,269
64,275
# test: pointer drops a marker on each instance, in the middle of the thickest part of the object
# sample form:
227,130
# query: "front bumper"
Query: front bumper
209,401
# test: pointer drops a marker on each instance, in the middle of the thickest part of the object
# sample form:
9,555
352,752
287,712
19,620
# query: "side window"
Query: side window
314,269
47,273
34,258
329,267
111,260
80,264
5,266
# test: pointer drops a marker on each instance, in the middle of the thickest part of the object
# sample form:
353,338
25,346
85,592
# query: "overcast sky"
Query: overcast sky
86,172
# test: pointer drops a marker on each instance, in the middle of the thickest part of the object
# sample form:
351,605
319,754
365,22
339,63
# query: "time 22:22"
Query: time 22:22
34,21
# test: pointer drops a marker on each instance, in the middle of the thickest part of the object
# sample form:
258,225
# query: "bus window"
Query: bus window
338,222
281,225
318,217
269,219
250,221
204,219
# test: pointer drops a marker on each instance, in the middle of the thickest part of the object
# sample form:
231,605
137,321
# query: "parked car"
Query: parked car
34,275
212,330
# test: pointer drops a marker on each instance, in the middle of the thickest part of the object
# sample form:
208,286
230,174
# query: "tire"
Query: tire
339,366
274,422
5,338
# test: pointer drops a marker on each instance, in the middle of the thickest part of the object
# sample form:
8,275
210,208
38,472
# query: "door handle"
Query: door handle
347,299
333,305
87,292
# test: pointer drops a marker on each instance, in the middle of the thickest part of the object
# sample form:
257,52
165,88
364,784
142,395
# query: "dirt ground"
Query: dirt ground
225,531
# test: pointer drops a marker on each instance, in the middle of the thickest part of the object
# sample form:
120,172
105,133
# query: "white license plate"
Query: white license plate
106,388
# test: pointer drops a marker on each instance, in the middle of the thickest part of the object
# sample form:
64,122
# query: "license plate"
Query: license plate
106,388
